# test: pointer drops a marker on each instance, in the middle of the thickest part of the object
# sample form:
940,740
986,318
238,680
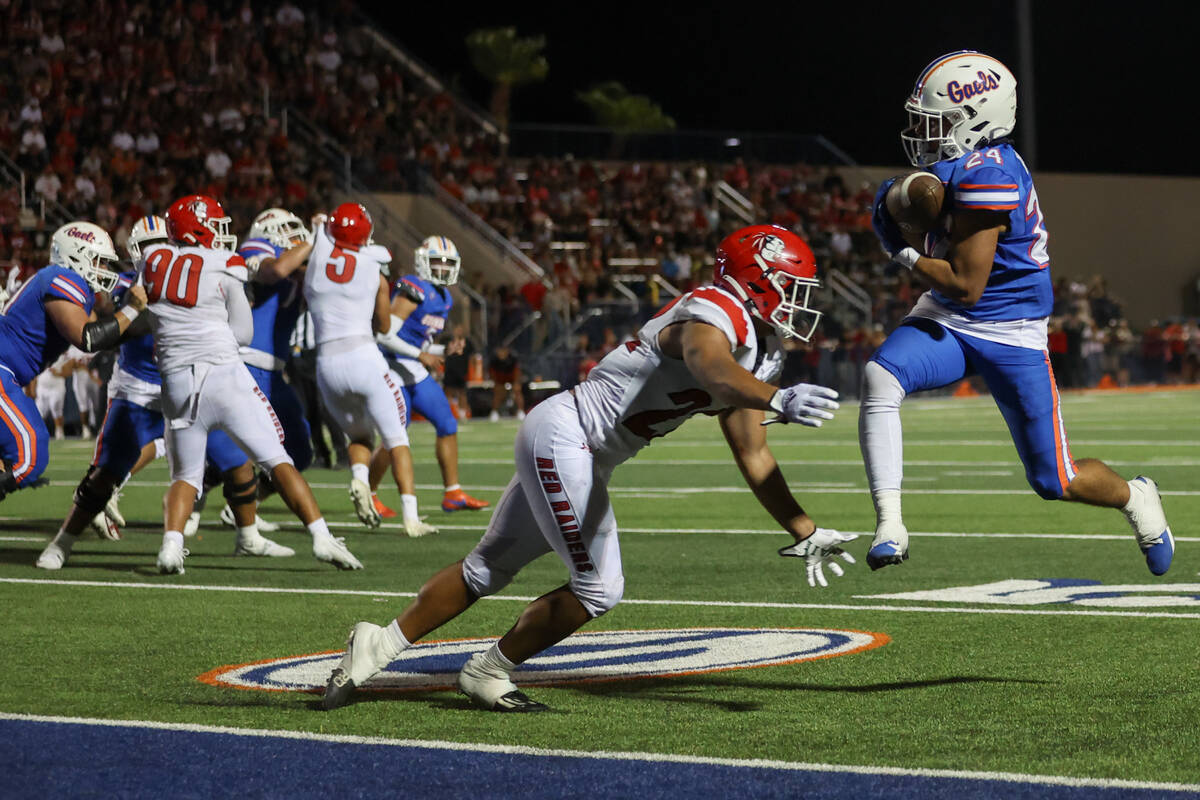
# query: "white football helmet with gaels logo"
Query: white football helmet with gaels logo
773,272
280,227
960,101
437,261
85,248
146,231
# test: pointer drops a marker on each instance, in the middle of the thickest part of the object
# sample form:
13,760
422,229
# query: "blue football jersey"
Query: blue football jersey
996,179
275,307
428,319
29,342
136,356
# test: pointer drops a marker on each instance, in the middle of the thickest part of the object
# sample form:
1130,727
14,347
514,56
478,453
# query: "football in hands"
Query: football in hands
915,203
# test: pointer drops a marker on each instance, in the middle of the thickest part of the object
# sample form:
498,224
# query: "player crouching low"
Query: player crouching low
200,316
710,352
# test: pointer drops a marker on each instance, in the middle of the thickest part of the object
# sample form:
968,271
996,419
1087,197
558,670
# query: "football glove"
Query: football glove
805,403
885,227
818,551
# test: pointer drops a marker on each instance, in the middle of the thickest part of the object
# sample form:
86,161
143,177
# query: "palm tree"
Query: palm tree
508,62
624,113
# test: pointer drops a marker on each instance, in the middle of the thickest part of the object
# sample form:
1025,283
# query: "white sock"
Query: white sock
249,533
65,540
395,639
879,432
887,505
408,505
361,472
1136,498
453,488
318,528
173,536
496,661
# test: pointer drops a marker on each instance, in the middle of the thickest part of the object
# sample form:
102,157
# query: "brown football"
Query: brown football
915,202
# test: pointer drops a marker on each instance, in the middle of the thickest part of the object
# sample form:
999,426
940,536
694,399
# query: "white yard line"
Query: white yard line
606,755
626,601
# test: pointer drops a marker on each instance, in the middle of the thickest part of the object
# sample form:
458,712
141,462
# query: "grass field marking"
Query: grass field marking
1006,442
626,601
41,539
607,755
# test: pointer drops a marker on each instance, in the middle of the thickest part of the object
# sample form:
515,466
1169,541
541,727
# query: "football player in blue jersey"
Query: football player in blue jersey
987,310
132,425
423,303
275,253
51,312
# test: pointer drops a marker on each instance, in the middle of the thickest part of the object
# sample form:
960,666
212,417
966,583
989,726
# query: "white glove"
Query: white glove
805,403
818,550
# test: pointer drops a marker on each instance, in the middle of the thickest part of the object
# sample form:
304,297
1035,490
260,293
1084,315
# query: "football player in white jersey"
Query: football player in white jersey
712,351
200,316
346,287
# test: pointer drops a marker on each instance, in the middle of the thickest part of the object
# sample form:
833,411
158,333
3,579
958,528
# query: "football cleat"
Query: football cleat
105,528
383,510
54,556
458,500
1149,524
192,525
494,691
890,545
363,658
263,525
113,512
415,528
360,493
262,547
334,551
170,558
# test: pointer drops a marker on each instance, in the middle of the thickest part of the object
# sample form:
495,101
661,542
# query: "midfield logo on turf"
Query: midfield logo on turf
596,656
1071,591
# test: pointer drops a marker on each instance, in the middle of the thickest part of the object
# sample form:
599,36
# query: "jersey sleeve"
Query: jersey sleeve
987,187
713,306
235,267
67,285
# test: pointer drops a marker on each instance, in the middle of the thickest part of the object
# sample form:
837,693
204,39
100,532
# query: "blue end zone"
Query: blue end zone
50,759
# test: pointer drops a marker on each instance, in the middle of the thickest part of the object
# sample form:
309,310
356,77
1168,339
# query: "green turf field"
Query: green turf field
1103,687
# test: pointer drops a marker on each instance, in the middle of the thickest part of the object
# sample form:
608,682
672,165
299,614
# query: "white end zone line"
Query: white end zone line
626,601
672,758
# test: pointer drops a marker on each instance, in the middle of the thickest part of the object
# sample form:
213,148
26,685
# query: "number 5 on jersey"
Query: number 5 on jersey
179,276
340,267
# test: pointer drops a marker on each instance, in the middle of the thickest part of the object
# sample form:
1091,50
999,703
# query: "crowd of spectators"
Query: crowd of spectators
189,98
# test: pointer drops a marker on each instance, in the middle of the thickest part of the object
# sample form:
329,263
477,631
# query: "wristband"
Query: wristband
129,313
776,401
907,257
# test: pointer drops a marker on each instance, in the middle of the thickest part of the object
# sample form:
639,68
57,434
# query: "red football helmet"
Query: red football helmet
199,221
350,225
773,271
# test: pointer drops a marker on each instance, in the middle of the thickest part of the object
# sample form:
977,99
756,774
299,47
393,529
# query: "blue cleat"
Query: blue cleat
889,547
1145,514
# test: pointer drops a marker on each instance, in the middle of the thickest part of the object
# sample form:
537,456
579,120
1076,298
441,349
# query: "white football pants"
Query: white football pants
362,396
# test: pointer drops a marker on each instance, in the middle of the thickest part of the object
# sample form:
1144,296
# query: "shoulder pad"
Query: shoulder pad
410,290
710,304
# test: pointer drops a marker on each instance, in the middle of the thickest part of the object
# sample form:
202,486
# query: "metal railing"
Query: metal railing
735,202
848,290
45,209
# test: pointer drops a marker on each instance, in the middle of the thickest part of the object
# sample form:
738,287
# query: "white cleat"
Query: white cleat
263,525
334,551
1149,524
263,547
192,525
170,558
415,528
105,528
493,691
890,545
54,556
113,512
364,658
364,506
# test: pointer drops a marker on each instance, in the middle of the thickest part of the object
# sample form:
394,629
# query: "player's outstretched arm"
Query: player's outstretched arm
87,332
706,352
273,270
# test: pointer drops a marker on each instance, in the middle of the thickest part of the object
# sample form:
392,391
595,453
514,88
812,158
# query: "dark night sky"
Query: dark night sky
1112,91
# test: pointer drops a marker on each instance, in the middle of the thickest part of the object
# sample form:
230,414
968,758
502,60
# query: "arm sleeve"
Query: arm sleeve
390,341
101,334
241,320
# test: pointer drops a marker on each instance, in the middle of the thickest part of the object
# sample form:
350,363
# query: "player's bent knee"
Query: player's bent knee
483,579
1047,487
240,493
598,597
445,426
880,386
94,490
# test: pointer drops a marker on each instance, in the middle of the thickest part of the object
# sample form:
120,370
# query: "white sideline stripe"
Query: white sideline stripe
608,755
630,491
1006,442
626,601
21,538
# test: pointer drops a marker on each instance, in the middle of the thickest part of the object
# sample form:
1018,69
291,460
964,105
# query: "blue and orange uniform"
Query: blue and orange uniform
1002,337
426,322
29,343
276,308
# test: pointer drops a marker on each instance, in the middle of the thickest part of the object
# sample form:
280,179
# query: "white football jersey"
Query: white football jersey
340,286
186,288
637,393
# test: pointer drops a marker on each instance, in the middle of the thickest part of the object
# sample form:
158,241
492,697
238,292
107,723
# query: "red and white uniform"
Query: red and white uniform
568,446
340,286
200,316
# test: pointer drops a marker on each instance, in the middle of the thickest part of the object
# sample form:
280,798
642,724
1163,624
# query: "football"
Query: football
915,203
